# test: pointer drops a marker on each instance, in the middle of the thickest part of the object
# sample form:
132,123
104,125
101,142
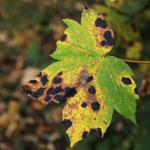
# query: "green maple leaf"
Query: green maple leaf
91,83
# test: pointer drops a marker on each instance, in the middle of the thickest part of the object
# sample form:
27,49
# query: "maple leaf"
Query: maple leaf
91,84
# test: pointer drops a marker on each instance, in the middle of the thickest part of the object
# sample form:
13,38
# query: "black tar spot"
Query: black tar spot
60,98
95,106
126,80
89,79
92,90
100,23
38,93
84,105
33,81
44,79
54,90
70,92
136,90
63,38
109,39
57,80
84,135
67,123
103,43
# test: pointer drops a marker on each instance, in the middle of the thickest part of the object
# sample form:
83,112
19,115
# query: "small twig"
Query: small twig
85,5
137,61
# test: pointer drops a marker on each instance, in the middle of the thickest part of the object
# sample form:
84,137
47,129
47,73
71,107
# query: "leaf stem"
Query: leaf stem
136,61
85,5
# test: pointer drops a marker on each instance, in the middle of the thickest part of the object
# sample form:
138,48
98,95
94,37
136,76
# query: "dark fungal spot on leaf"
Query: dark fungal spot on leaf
89,79
63,38
38,93
136,90
70,92
110,42
53,90
92,90
103,43
60,98
47,98
44,79
126,80
84,134
84,105
57,80
67,123
108,37
50,91
100,23
33,81
95,106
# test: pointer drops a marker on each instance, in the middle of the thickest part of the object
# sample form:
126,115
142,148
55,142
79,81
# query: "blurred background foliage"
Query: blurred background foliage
29,30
